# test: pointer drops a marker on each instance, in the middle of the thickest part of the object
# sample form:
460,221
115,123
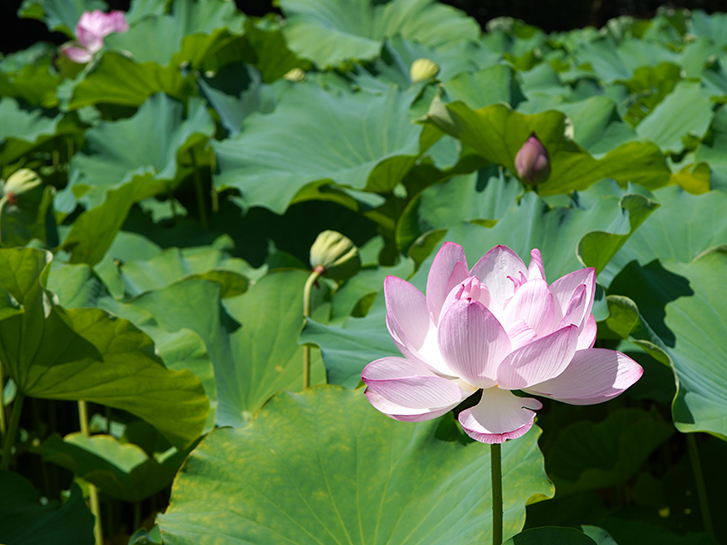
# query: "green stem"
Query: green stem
496,466
3,425
701,488
306,314
92,490
12,430
201,207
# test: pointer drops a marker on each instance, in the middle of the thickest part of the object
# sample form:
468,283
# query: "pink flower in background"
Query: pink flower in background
496,327
91,29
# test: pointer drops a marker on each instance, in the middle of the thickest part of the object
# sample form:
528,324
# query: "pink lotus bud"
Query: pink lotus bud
532,162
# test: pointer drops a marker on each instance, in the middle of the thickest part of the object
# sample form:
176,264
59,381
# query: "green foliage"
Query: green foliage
363,479
158,205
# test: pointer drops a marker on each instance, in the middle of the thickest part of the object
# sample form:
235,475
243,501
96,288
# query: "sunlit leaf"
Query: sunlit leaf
420,483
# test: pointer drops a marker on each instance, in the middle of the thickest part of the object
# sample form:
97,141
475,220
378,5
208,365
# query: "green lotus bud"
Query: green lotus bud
532,162
334,256
422,69
20,182
296,75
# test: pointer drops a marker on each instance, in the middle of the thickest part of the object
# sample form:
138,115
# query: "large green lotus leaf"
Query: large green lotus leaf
29,75
685,112
550,535
681,319
116,79
78,286
713,149
174,264
483,196
252,340
86,354
597,127
497,133
153,142
496,83
329,32
683,227
235,92
345,473
589,231
22,130
159,38
605,60
61,15
25,520
348,348
712,27
588,455
123,471
359,141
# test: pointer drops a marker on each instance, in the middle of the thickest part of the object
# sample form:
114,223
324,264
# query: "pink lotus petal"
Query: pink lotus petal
470,288
408,306
594,375
444,275
534,304
94,26
538,361
575,312
587,333
493,270
536,271
520,334
411,385
76,54
500,415
398,412
565,287
473,342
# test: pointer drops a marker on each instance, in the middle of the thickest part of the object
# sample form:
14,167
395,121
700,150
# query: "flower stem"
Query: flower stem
92,490
496,466
699,480
201,205
3,425
12,430
306,314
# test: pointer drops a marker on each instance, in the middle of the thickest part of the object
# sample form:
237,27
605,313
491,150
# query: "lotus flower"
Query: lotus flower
532,162
497,327
91,29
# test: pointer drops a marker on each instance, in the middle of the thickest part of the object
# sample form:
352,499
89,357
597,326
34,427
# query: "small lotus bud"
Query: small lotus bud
422,69
532,162
335,256
20,182
296,75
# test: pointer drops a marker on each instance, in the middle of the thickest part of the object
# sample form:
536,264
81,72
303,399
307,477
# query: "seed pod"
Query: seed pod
296,75
422,69
532,162
19,183
335,256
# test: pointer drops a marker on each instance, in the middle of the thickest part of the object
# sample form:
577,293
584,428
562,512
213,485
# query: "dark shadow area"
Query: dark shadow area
651,287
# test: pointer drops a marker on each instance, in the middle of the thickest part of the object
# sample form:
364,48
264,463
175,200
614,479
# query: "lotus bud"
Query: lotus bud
334,256
20,182
296,75
422,69
532,162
